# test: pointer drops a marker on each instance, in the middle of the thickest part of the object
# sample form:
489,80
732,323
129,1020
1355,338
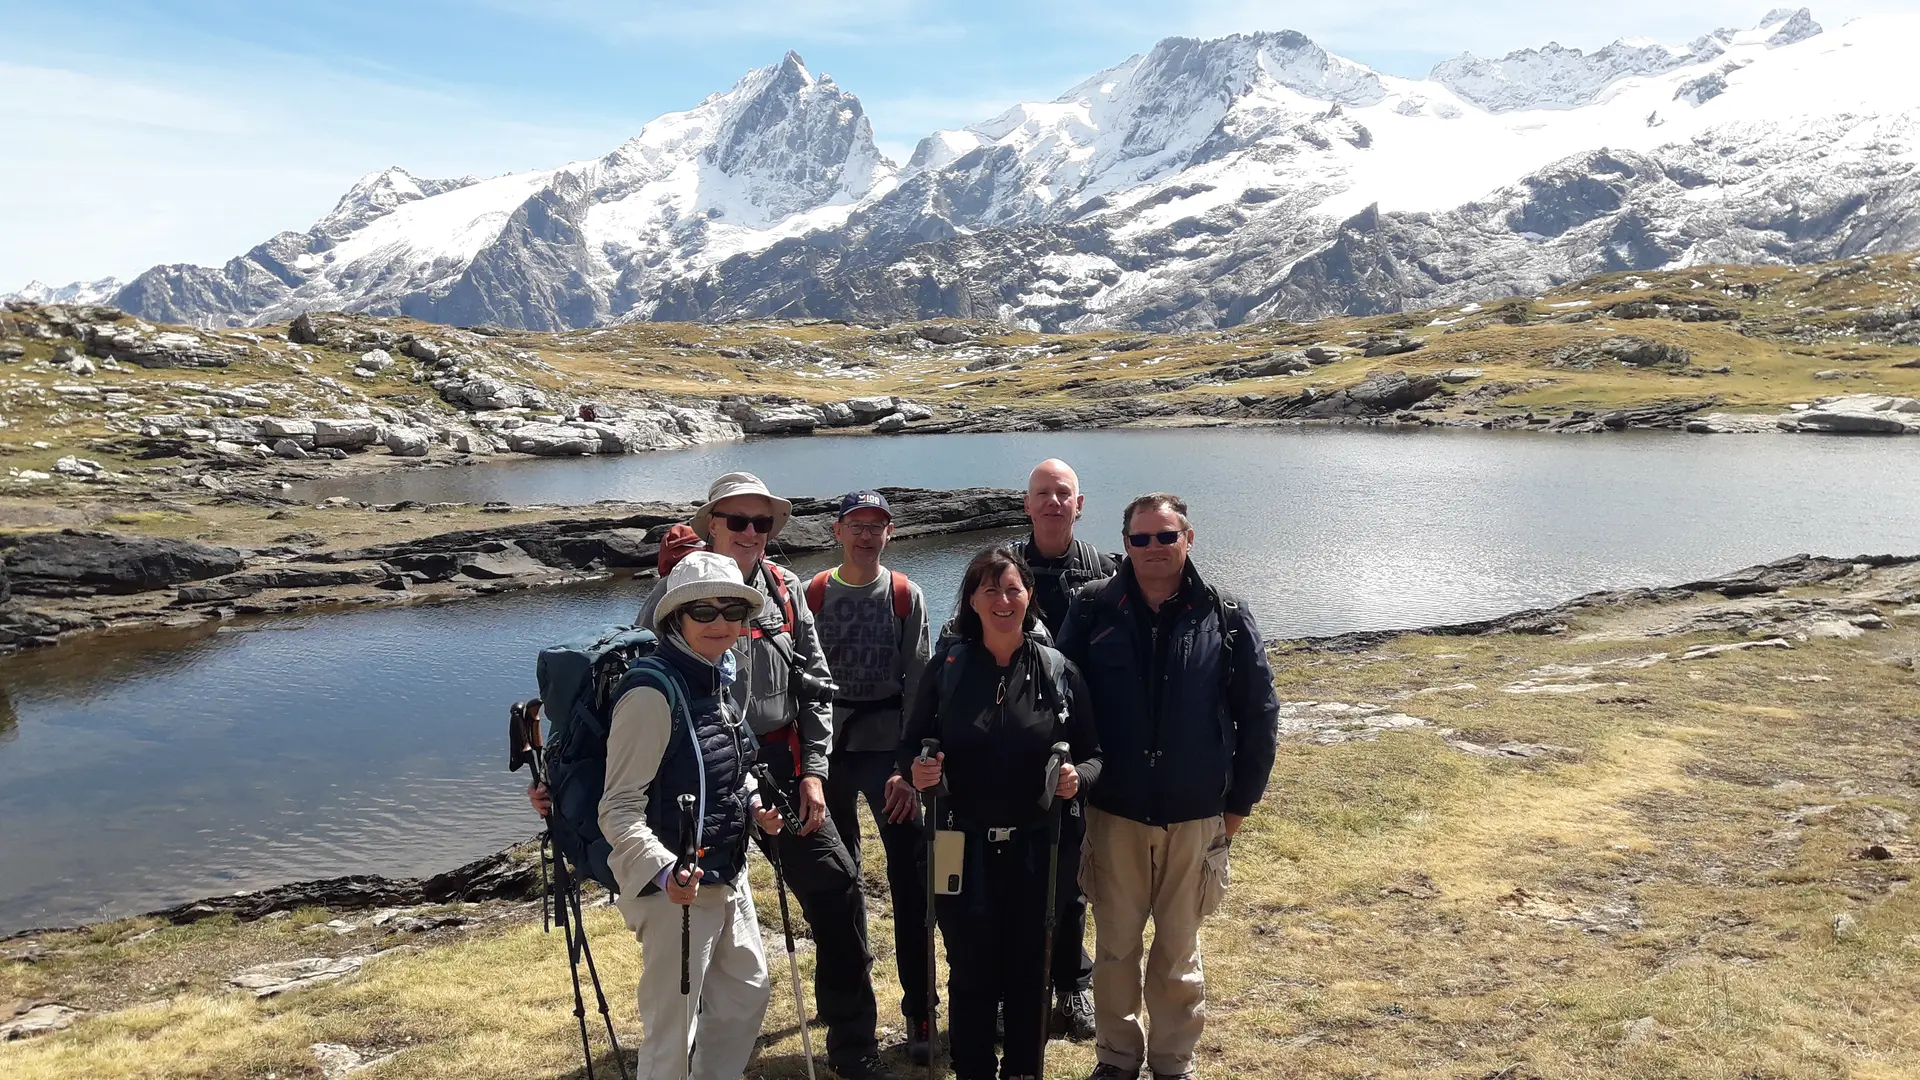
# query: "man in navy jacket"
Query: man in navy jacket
1185,707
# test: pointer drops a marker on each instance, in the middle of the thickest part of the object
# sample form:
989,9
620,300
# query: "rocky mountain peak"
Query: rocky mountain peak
1789,26
378,194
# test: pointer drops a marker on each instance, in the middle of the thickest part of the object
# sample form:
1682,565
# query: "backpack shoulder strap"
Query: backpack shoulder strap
782,596
817,591
952,659
902,595
654,672
1228,612
1053,683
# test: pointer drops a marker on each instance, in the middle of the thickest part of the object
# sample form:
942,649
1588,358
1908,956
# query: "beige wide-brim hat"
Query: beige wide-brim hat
738,483
704,575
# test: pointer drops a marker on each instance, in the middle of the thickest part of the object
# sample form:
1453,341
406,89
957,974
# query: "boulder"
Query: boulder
836,414
1321,354
1390,391
889,424
763,419
945,334
76,562
407,442
1461,375
552,440
1861,414
509,561
347,433
1645,352
912,410
468,442
423,349
83,468
279,428
483,391
302,331
375,360
1391,345
280,976
868,409
304,577
614,439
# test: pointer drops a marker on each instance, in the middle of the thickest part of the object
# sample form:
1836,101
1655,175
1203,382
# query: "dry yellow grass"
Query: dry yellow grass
1655,896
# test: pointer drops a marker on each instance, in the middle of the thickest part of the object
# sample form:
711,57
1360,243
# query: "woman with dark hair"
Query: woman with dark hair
998,701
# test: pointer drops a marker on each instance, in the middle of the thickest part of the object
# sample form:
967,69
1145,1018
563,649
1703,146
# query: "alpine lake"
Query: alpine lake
138,771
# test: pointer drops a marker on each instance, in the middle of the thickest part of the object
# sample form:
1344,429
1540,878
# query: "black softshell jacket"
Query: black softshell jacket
1180,742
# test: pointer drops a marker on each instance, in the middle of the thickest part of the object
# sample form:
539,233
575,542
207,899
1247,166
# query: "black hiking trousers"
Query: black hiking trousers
857,774
825,880
994,932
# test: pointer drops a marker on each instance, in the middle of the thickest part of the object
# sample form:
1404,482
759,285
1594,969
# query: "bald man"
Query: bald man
1061,564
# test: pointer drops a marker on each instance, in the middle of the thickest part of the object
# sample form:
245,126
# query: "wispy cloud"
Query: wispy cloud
790,21
127,169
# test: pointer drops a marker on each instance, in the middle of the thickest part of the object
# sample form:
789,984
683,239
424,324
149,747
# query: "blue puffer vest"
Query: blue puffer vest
719,749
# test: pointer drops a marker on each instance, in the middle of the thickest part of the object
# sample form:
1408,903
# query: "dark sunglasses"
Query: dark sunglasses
1167,539
762,523
706,613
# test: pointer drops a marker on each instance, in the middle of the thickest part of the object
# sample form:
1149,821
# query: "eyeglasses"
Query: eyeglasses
858,529
762,523
1167,539
706,613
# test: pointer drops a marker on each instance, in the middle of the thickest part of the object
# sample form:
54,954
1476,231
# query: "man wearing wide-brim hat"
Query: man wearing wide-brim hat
787,694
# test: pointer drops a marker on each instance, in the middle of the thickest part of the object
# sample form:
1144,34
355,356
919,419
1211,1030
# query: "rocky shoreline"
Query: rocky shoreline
56,585
1764,603
103,400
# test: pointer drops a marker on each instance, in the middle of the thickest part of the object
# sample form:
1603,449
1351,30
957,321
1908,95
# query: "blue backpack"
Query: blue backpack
579,682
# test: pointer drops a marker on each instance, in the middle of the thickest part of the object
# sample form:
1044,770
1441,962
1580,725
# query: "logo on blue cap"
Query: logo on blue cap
857,500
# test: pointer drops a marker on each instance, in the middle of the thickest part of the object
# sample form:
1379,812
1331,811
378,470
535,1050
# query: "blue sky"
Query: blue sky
189,130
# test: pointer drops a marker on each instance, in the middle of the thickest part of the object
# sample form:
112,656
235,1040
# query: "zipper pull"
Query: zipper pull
1000,692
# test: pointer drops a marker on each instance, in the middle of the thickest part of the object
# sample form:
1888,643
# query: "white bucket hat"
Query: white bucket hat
704,575
738,483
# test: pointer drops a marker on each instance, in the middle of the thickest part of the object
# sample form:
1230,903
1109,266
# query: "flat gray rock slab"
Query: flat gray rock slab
38,1020
267,980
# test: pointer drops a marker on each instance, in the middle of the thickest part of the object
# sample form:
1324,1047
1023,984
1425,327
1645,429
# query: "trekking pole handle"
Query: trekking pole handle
1058,756
689,851
929,749
788,815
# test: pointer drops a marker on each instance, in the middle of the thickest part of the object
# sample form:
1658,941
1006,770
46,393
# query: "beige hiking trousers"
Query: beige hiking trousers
728,981
1175,875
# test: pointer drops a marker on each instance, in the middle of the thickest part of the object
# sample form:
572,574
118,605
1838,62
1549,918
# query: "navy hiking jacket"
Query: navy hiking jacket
1187,724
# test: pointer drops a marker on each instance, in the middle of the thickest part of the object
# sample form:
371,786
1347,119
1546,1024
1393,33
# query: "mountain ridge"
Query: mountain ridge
1200,183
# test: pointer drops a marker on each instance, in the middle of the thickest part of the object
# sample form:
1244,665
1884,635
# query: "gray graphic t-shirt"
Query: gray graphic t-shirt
874,656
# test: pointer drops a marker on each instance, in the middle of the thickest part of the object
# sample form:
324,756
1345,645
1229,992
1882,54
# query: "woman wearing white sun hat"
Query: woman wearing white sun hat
652,761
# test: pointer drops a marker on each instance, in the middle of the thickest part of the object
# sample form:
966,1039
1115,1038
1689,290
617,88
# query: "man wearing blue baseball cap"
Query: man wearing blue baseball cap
872,624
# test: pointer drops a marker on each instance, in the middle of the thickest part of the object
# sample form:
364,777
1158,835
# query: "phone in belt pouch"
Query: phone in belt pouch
949,855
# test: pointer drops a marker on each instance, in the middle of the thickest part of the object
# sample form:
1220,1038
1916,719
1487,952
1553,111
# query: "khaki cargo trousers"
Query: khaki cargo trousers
1175,875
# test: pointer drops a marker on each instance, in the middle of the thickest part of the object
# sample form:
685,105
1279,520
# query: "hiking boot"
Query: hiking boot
1104,1071
1073,1016
919,1040
1172,1076
867,1066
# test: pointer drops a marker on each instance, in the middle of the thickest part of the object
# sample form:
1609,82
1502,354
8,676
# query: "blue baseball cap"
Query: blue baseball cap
860,500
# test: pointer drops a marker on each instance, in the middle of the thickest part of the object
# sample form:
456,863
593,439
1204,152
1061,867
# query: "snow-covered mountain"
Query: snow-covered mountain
79,292
1201,184
780,154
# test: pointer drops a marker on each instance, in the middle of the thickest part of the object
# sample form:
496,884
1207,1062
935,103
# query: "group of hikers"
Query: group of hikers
814,696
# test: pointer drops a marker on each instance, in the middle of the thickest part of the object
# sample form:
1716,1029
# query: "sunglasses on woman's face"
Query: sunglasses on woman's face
736,611
1140,540
761,523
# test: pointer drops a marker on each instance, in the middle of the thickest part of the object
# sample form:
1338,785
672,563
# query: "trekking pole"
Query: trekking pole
689,854
1058,757
525,748
929,748
790,820
599,994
